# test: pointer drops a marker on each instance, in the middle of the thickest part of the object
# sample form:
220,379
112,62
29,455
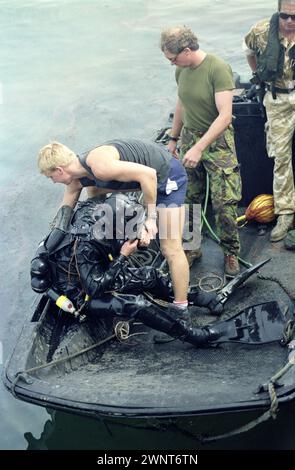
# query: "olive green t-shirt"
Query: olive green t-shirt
196,90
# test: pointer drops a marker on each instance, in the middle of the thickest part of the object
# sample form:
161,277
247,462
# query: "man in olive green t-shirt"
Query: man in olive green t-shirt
202,124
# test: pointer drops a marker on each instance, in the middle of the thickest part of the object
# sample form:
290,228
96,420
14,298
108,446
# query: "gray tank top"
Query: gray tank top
144,152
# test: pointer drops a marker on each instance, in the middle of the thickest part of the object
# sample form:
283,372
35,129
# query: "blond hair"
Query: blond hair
53,155
176,39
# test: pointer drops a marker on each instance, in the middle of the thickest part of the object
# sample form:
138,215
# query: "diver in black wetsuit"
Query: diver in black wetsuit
76,259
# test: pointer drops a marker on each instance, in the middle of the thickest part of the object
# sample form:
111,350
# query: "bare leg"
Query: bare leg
171,222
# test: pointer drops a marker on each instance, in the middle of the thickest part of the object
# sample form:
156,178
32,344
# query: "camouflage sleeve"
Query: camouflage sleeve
256,39
249,45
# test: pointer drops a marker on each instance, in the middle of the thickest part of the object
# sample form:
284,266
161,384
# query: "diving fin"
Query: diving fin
258,324
216,305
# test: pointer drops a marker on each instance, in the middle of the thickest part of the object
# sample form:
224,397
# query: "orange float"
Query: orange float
261,209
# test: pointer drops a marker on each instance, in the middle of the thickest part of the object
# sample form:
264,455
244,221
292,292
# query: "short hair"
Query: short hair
176,39
53,155
288,2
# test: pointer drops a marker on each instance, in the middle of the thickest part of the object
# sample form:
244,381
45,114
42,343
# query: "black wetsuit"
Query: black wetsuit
74,264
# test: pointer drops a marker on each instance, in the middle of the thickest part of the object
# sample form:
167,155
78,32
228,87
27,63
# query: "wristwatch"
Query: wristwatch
171,137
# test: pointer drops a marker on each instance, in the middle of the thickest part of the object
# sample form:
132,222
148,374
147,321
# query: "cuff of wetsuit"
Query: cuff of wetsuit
122,259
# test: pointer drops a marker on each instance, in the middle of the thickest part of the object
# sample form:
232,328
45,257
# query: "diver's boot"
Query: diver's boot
205,299
180,315
284,224
173,328
201,336
172,322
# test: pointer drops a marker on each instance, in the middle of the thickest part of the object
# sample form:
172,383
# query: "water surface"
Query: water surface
83,72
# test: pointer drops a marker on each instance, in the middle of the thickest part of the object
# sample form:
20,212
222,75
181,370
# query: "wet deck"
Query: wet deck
142,378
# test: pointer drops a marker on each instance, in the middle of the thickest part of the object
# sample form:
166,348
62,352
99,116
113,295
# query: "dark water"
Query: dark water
84,72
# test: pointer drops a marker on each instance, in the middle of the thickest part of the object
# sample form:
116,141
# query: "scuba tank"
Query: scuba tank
62,302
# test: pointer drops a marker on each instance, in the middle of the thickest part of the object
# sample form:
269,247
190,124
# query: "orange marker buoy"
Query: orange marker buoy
261,209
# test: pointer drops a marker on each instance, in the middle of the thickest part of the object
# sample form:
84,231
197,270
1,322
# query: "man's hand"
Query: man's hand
172,147
149,232
129,247
192,157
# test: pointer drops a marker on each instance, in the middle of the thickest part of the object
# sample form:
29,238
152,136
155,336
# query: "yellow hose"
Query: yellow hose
241,218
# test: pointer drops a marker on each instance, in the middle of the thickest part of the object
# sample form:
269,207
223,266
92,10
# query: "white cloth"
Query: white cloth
171,186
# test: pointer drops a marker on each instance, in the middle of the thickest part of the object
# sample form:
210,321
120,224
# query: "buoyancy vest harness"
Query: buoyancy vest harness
270,63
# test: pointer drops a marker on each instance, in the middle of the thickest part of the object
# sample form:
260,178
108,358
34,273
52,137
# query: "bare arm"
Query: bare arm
106,168
223,101
249,46
72,194
251,59
176,126
177,119
73,191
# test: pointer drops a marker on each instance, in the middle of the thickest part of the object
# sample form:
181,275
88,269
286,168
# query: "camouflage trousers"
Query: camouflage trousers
279,136
220,163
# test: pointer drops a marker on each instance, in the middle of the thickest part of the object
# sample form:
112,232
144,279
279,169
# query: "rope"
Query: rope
289,329
282,372
59,361
121,332
288,334
272,412
247,427
274,403
279,282
202,282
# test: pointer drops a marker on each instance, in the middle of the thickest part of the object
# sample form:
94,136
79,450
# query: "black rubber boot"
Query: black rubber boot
173,328
126,305
173,322
176,328
205,299
201,337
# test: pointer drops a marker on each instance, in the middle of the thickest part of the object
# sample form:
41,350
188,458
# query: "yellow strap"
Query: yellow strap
61,300
241,218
